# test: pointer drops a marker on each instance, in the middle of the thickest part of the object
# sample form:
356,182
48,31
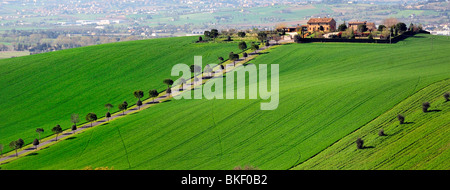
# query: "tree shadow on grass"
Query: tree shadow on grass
409,122
33,154
368,147
436,110
206,77
70,138
152,102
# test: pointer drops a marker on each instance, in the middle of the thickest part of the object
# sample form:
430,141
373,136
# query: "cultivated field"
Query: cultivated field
43,90
422,142
327,91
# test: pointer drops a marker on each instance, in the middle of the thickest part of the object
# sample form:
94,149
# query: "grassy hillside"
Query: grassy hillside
41,91
421,143
327,91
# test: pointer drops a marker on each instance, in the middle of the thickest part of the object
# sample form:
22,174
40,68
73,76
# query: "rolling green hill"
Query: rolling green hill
421,143
43,90
327,91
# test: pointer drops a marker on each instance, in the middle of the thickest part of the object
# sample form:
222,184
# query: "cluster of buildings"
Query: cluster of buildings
438,29
327,25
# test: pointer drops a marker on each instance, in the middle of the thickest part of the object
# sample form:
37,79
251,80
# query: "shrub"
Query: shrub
401,118
35,143
297,39
245,168
228,39
381,133
359,143
74,127
446,96
139,104
425,106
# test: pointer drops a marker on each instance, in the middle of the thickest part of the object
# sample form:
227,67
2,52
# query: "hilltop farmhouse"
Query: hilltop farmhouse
327,24
369,25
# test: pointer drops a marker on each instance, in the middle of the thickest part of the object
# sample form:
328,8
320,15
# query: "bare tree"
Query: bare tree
388,22
75,118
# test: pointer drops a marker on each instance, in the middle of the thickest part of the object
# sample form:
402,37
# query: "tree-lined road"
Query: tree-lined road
145,104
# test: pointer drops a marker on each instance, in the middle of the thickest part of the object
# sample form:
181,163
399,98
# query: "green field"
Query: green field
327,91
43,90
421,143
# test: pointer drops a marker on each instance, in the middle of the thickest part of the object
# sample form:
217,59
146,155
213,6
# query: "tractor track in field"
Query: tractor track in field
87,144
124,147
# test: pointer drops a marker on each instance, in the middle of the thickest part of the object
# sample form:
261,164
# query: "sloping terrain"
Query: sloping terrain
327,91
422,142
43,90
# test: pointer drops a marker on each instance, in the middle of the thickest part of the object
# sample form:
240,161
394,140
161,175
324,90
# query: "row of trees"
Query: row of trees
261,35
92,117
401,119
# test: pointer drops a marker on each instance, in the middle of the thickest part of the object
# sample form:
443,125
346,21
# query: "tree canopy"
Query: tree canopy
262,36
168,82
241,34
139,94
91,117
57,130
342,27
401,27
122,107
242,45
75,118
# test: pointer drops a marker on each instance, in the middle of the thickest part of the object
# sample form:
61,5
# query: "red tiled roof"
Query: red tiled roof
319,20
357,22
